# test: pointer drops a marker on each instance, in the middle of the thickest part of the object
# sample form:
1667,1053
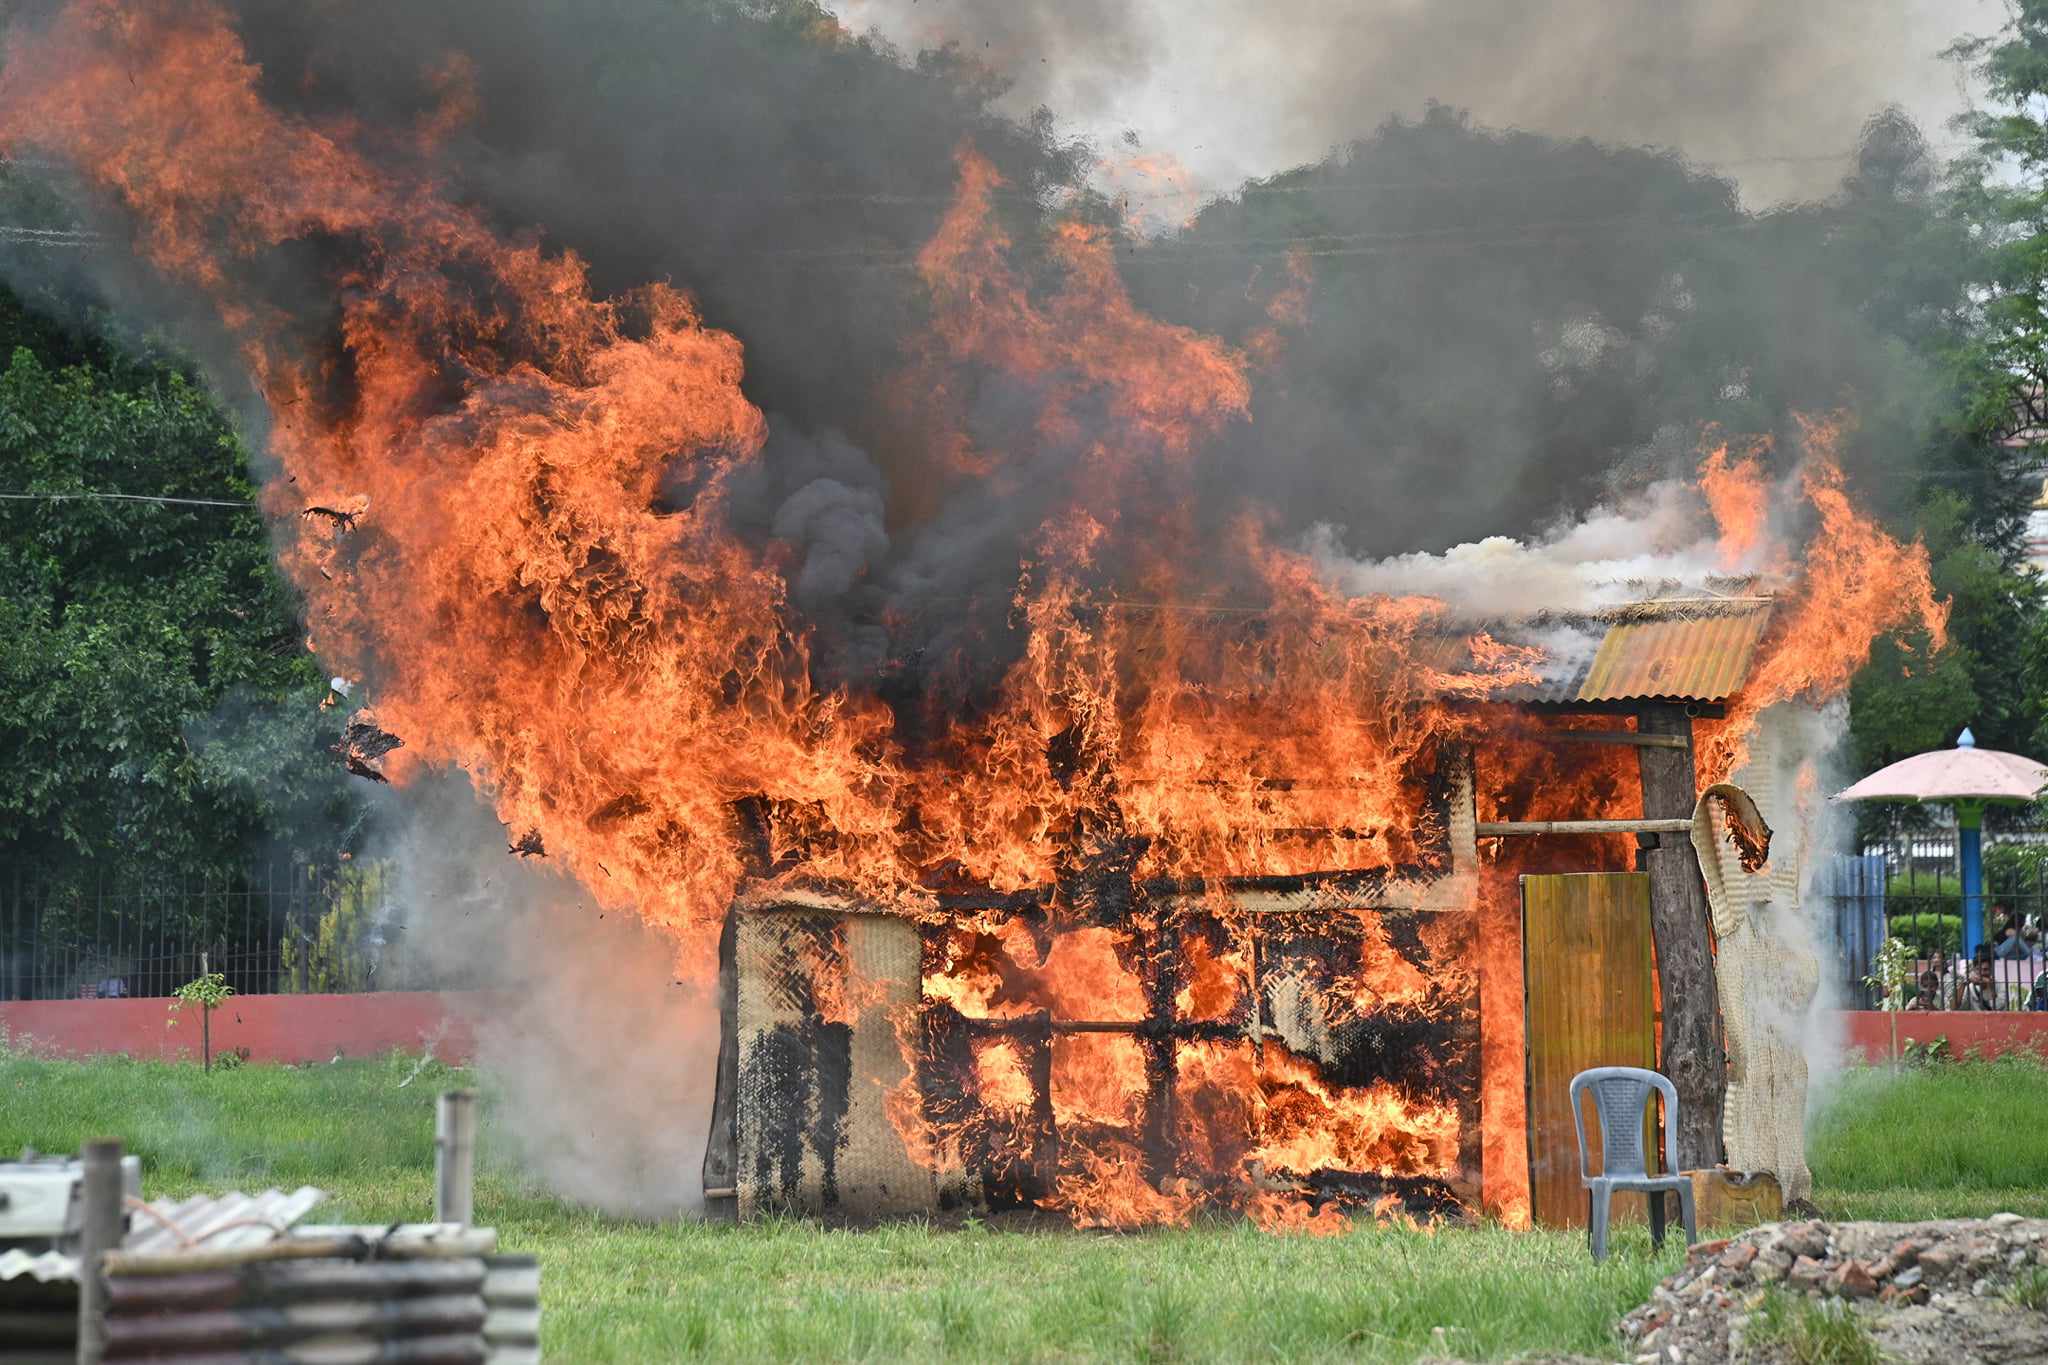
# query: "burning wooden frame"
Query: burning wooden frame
1312,1037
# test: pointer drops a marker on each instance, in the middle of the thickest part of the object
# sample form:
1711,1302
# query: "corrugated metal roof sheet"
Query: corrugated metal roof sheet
45,1265
1685,652
217,1222
206,1222
1696,649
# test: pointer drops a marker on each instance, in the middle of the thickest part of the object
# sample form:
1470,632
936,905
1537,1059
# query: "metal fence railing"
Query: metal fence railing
260,930
1909,890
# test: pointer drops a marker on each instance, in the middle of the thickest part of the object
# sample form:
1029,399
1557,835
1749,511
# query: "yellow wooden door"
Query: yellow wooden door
1588,1002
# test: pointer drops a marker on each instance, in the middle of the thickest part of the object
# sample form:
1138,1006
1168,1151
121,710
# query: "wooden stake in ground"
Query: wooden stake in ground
1685,958
99,1232
455,1157
206,1024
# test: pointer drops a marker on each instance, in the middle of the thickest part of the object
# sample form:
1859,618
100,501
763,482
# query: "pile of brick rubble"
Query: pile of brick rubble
1935,1291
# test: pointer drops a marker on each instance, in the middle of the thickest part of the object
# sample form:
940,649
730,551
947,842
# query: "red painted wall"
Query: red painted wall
312,1028
1869,1032
275,1028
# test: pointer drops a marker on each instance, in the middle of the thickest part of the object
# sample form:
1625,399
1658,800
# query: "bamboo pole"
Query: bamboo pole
1635,737
455,1158
99,1233
1492,829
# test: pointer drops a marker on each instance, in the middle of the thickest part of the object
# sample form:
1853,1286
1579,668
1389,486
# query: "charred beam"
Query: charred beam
754,838
1162,1061
1026,1026
721,1152
1367,884
1701,710
1044,1122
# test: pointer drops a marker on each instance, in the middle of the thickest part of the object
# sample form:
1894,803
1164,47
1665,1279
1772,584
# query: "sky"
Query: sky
1187,97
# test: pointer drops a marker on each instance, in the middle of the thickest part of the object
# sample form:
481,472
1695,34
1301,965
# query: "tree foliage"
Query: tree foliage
159,713
2002,186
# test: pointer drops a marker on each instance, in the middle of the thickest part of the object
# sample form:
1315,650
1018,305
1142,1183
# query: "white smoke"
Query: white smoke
598,1055
1661,540
1794,767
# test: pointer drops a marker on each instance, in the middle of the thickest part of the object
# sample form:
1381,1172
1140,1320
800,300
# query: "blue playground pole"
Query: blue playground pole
1970,845
1969,822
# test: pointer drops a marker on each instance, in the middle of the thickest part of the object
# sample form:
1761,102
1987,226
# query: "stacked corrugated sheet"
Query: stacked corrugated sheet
38,1308
230,1278
40,1214
39,1288
413,1292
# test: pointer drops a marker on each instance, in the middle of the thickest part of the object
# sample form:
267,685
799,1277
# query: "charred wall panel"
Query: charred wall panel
815,1060
1385,999
1279,1032
1246,1013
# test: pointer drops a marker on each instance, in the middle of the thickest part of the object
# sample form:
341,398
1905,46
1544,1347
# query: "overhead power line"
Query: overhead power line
33,236
122,497
1248,188
1463,238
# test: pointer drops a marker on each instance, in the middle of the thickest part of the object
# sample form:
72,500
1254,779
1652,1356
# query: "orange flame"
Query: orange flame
1739,501
1858,584
1291,1215
1108,1189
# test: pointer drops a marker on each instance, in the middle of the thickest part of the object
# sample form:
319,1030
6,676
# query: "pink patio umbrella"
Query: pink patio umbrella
1968,778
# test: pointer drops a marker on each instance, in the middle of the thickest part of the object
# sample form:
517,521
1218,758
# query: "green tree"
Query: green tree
2003,185
159,714
1999,368
1615,300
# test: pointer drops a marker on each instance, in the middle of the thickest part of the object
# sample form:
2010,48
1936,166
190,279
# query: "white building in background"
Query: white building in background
2037,531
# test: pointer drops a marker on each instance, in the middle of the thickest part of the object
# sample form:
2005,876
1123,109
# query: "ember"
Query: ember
1752,841
363,742
333,516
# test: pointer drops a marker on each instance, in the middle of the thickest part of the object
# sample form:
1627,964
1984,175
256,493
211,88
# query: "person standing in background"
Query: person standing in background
1979,991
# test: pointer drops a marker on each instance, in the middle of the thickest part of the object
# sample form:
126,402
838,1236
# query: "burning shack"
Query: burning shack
1298,1045
1070,819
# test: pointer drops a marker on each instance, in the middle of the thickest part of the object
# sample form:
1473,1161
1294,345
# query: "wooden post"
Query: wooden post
1162,1061
455,1158
99,1232
1685,958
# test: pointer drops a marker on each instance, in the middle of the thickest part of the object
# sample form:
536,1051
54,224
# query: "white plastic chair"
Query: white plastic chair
1619,1094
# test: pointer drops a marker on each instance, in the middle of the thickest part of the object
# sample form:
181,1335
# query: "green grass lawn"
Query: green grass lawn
1960,1139
1950,1140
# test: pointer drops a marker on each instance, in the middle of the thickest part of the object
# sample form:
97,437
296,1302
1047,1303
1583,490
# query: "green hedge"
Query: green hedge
1929,933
